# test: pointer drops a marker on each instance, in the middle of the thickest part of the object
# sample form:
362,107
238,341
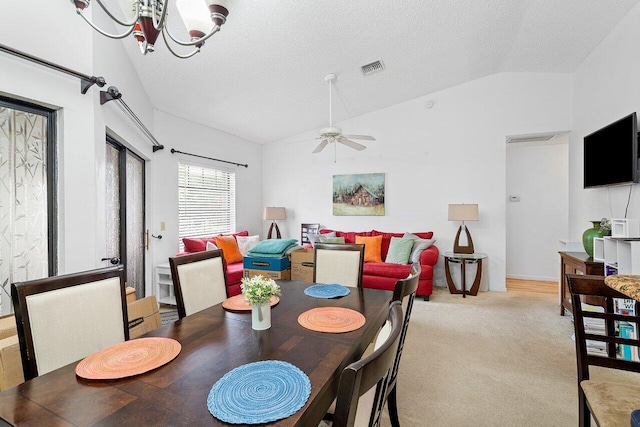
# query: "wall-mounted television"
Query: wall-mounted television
611,154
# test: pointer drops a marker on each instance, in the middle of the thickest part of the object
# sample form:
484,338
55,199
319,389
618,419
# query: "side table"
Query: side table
463,260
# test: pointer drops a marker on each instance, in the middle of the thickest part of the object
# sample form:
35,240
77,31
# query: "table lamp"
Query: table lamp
273,214
463,212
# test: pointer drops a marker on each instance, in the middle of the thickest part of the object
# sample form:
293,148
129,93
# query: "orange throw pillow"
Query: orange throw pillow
229,248
372,248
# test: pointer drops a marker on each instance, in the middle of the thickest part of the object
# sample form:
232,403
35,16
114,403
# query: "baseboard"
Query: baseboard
535,278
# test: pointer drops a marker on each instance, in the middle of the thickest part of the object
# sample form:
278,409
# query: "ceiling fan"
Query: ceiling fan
334,134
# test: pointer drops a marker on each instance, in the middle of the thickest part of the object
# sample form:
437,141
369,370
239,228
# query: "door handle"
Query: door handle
115,260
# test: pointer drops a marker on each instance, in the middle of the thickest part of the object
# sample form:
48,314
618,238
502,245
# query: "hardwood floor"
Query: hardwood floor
532,286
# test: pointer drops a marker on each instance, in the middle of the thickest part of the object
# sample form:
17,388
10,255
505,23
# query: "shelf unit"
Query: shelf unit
621,256
164,284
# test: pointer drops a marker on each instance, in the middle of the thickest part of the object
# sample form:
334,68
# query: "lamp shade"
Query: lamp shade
463,212
273,213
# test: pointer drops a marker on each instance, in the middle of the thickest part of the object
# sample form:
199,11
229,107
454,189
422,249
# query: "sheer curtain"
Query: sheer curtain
23,200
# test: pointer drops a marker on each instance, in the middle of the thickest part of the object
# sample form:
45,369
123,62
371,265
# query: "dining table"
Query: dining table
213,342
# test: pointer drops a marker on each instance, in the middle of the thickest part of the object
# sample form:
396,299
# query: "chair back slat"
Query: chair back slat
62,319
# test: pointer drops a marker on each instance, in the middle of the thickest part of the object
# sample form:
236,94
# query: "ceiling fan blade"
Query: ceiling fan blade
367,137
351,144
321,146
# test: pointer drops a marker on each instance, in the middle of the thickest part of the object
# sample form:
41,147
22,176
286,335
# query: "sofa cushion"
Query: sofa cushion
372,246
245,243
229,248
399,250
197,244
394,271
331,239
234,273
419,245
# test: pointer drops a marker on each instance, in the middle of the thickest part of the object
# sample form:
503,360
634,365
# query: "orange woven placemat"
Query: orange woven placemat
128,358
331,319
238,303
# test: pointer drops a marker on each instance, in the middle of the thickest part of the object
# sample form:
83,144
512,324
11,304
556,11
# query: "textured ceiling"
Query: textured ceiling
261,76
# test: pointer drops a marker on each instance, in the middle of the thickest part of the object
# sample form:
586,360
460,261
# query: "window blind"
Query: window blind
206,201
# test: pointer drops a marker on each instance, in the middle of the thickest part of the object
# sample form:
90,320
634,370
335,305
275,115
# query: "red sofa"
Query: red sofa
234,271
382,275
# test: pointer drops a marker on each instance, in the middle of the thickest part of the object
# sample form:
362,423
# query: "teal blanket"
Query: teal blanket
272,248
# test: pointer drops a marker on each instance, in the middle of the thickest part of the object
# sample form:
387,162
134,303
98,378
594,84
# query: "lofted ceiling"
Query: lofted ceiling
262,76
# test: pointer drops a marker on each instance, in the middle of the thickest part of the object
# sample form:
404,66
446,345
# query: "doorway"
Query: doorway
537,185
125,213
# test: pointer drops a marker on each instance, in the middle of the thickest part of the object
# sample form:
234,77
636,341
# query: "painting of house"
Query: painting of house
360,194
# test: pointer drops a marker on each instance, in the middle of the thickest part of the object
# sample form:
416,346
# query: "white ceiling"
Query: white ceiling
261,76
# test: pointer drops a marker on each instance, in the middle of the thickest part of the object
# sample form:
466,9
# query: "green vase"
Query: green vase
589,234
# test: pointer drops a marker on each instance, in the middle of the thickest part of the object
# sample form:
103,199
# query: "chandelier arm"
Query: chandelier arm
104,33
177,55
124,24
158,24
202,39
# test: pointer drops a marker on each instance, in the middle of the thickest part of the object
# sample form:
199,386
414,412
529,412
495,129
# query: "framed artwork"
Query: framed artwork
361,194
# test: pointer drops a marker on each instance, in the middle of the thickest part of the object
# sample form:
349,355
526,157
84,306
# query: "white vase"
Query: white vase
261,317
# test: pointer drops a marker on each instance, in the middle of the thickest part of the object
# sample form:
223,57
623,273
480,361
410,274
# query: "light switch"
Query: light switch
162,226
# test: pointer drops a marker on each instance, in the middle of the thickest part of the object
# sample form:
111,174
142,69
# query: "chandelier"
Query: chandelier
148,18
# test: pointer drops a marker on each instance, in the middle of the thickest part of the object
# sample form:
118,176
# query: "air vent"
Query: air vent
530,137
374,67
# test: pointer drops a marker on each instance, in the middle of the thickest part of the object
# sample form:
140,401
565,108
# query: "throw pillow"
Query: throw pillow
245,243
331,239
194,245
399,250
211,246
419,245
229,248
315,237
372,248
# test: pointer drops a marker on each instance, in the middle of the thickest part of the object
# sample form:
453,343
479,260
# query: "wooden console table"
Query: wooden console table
463,260
575,263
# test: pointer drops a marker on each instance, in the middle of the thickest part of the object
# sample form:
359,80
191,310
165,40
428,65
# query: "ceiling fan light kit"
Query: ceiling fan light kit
333,134
148,19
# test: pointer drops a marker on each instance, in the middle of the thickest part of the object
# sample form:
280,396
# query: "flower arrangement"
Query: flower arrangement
605,226
258,290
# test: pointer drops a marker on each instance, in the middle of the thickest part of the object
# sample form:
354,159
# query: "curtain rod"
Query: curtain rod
85,83
209,158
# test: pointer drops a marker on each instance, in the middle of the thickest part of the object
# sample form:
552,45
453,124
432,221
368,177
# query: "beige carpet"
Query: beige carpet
498,359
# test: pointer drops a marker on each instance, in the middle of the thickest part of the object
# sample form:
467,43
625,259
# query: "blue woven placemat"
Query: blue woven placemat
327,291
259,392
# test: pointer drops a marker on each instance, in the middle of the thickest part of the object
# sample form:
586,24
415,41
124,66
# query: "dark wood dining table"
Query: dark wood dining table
214,341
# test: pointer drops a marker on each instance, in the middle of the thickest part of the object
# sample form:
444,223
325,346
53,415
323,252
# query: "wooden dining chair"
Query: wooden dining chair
199,281
364,385
62,319
405,293
339,263
610,403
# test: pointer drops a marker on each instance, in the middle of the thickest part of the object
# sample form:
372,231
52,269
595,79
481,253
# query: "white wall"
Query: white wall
537,173
452,153
189,137
606,88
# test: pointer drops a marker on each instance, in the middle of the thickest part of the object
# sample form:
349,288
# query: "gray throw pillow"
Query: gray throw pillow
315,237
399,250
331,239
419,245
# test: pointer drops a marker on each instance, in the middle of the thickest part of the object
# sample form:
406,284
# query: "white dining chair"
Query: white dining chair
62,319
199,281
339,263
